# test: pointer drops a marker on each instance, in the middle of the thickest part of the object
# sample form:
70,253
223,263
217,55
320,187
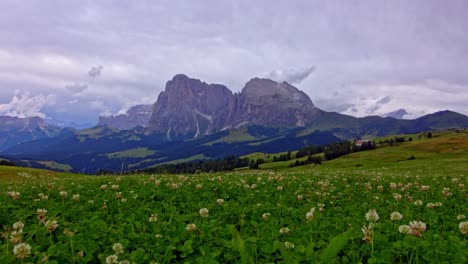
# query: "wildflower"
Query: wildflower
405,229
204,212
418,202
15,236
220,201
41,214
284,230
118,248
199,186
417,227
446,192
265,216
104,187
14,195
372,216
43,196
463,226
51,225
393,185
397,196
115,187
63,194
461,186
367,231
253,186
430,205
76,197
424,188
112,259
118,195
396,216
157,183
123,200
153,218
380,187
300,197
18,225
288,245
310,214
460,217
80,254
22,250
191,227
438,204
279,188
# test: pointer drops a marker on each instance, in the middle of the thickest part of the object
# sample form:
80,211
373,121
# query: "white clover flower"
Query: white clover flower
396,216
15,236
300,197
76,197
18,225
266,216
104,187
284,230
204,212
112,259
279,188
463,226
418,202
115,187
220,201
14,195
123,200
417,227
22,250
288,245
430,205
63,194
51,225
191,227
118,248
405,229
460,217
367,231
372,216
310,214
199,186
153,218
397,196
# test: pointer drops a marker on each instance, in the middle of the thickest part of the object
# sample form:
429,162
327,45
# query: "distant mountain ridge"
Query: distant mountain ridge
15,130
138,115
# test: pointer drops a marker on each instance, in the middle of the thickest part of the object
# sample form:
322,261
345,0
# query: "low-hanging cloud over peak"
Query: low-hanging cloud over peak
24,105
293,76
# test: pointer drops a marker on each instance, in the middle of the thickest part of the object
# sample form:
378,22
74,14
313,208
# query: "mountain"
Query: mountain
14,130
192,120
191,108
398,114
138,115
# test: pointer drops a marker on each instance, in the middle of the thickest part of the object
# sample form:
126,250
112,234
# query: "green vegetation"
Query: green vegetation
56,166
347,210
131,153
238,135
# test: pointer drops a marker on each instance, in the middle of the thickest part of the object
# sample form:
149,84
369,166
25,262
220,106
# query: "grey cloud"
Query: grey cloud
25,105
76,87
95,71
381,102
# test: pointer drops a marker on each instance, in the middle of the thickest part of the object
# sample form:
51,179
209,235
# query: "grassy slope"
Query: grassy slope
14,174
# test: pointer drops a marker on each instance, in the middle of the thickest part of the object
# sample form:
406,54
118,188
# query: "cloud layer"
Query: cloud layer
122,53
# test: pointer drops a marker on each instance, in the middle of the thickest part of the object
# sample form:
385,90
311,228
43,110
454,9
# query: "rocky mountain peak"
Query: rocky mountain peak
190,108
138,115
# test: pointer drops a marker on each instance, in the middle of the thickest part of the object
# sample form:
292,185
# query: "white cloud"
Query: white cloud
292,76
27,106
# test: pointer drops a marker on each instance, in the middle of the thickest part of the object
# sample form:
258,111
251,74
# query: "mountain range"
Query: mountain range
192,120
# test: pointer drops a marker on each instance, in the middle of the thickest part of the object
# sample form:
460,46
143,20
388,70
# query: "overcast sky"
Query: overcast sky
75,60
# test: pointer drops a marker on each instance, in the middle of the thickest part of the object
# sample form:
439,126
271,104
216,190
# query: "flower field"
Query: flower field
301,216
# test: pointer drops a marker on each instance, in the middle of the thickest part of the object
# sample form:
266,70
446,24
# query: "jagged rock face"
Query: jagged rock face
136,116
268,103
189,107
14,130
